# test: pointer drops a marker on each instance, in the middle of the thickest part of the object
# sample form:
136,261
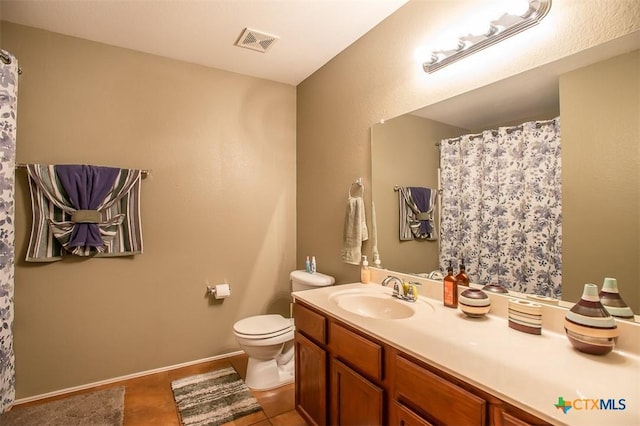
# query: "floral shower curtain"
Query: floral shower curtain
8,113
501,206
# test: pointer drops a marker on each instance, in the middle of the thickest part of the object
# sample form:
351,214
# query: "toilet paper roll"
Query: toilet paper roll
222,291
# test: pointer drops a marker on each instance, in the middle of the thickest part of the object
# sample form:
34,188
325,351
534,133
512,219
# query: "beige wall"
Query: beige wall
404,152
219,205
377,78
223,159
600,106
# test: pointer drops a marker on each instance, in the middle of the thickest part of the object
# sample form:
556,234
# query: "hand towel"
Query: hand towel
355,230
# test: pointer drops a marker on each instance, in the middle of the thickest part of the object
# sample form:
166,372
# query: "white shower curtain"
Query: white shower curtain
501,206
8,114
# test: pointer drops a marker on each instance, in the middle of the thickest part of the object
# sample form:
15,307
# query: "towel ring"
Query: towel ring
359,184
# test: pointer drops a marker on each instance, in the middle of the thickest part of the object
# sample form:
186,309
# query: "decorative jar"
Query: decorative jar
589,326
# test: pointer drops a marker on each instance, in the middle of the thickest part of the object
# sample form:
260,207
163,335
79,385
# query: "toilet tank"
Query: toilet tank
303,280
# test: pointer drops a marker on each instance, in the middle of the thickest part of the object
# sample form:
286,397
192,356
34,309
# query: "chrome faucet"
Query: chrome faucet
411,293
397,287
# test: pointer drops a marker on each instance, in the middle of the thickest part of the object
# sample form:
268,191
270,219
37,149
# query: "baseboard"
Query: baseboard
121,378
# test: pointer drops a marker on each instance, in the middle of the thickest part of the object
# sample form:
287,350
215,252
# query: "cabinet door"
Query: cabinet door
402,416
311,380
354,400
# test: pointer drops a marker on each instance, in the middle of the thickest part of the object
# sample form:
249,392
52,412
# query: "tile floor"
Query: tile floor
149,401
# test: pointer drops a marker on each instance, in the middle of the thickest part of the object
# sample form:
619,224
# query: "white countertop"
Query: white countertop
528,371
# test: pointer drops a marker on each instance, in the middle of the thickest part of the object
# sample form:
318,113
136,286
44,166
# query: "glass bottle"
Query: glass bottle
450,289
462,277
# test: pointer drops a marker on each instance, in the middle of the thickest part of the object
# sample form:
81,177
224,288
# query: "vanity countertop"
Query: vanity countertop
529,371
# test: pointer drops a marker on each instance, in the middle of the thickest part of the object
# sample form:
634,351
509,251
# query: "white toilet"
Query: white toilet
268,339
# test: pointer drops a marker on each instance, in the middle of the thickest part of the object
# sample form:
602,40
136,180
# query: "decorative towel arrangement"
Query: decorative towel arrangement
355,228
83,210
416,208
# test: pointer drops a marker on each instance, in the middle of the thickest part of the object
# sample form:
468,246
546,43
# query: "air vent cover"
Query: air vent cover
256,40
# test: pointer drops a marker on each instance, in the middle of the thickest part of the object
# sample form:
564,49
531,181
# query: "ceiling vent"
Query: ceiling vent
256,40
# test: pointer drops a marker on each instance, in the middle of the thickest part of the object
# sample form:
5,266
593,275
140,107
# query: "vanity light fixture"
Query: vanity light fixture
498,30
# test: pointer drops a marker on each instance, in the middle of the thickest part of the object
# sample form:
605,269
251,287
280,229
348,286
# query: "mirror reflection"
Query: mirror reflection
596,94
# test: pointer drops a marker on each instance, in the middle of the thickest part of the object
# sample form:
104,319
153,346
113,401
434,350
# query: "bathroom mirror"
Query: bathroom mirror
600,161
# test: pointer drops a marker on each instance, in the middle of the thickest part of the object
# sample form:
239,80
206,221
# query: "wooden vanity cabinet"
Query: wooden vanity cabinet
311,365
344,377
434,398
357,395
352,393
424,395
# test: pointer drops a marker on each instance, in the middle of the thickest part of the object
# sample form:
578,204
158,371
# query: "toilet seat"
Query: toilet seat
263,327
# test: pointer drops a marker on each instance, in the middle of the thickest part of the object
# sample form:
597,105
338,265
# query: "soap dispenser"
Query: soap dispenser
365,273
462,277
450,289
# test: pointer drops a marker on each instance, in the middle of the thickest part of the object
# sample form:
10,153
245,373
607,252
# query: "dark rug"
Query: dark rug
99,408
213,398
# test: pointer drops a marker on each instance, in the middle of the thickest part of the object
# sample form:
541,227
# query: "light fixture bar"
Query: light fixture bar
500,29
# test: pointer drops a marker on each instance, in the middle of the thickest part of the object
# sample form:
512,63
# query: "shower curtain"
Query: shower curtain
501,206
8,114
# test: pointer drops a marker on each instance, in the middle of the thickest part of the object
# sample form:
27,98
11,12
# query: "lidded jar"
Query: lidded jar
474,303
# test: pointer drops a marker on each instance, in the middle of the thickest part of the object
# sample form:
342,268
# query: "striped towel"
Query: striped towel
117,217
416,209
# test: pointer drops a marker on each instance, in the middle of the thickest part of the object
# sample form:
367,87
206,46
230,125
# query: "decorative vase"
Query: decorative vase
525,316
589,326
612,301
474,303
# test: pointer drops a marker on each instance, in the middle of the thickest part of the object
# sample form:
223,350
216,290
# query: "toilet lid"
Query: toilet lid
263,325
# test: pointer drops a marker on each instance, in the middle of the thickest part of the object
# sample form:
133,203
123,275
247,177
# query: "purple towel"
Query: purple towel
422,198
86,188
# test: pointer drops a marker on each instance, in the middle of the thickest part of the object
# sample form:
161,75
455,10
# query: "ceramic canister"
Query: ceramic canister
495,288
612,301
474,303
525,316
589,326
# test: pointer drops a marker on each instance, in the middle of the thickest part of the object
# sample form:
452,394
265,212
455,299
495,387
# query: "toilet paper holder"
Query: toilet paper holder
213,292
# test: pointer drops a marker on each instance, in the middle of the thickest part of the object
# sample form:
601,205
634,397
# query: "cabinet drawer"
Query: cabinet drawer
310,323
507,419
439,400
361,353
511,416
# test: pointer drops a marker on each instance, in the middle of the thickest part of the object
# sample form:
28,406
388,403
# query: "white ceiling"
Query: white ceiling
311,32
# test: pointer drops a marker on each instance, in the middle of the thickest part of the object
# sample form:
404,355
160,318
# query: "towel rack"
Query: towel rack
397,188
144,173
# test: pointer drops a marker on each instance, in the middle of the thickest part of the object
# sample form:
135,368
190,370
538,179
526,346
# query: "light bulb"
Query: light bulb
517,7
478,27
421,54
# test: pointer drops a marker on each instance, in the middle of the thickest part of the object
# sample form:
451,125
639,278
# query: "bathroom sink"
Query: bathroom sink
374,304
